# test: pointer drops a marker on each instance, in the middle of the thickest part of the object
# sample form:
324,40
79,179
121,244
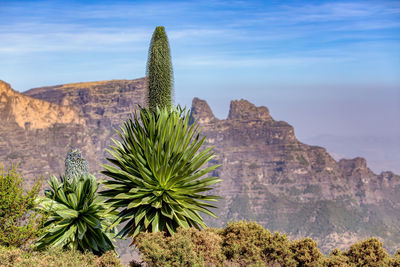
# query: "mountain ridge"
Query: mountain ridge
269,176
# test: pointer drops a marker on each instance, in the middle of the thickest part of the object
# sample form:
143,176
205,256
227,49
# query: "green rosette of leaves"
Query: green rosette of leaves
79,218
156,178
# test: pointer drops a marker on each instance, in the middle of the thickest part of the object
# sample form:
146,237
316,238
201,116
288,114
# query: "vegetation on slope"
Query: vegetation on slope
20,223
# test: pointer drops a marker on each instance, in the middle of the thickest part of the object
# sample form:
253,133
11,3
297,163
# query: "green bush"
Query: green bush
395,261
306,252
336,259
207,243
249,243
369,252
187,247
157,178
13,257
243,242
20,223
278,250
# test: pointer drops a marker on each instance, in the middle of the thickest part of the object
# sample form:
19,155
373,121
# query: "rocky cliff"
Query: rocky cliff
36,134
103,105
31,113
268,175
271,177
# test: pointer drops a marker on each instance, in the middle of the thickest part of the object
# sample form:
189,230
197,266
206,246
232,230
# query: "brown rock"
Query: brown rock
244,110
32,113
202,111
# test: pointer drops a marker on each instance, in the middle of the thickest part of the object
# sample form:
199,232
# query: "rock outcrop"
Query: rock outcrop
202,111
243,110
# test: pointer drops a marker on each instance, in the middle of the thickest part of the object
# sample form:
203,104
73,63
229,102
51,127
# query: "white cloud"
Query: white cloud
255,62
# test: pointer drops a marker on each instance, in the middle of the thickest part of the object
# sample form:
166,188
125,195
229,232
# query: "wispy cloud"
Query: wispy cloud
255,62
208,34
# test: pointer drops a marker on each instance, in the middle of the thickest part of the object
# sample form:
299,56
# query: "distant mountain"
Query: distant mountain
381,152
268,175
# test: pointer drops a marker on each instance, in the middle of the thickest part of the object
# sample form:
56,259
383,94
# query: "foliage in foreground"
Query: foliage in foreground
78,217
249,244
20,223
159,71
187,247
369,252
14,257
156,177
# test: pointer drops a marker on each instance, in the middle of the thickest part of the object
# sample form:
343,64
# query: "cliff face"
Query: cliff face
103,105
36,134
31,113
268,175
271,177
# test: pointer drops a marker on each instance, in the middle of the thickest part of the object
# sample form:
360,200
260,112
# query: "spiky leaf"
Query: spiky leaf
79,218
156,176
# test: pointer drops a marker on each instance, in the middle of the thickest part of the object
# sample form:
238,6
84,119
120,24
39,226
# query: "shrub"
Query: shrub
20,223
13,257
159,71
158,250
243,242
278,250
306,252
395,261
187,247
369,252
336,259
249,243
108,259
207,243
156,178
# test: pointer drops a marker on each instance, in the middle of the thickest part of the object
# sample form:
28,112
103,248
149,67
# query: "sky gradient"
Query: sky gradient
326,67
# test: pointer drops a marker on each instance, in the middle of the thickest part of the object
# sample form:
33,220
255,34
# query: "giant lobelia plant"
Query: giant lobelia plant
156,173
159,71
78,217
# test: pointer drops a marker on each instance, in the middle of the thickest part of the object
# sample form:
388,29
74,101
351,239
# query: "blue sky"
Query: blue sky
326,67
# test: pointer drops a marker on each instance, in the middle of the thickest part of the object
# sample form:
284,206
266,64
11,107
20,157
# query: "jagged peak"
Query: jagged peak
202,111
357,162
355,165
244,110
